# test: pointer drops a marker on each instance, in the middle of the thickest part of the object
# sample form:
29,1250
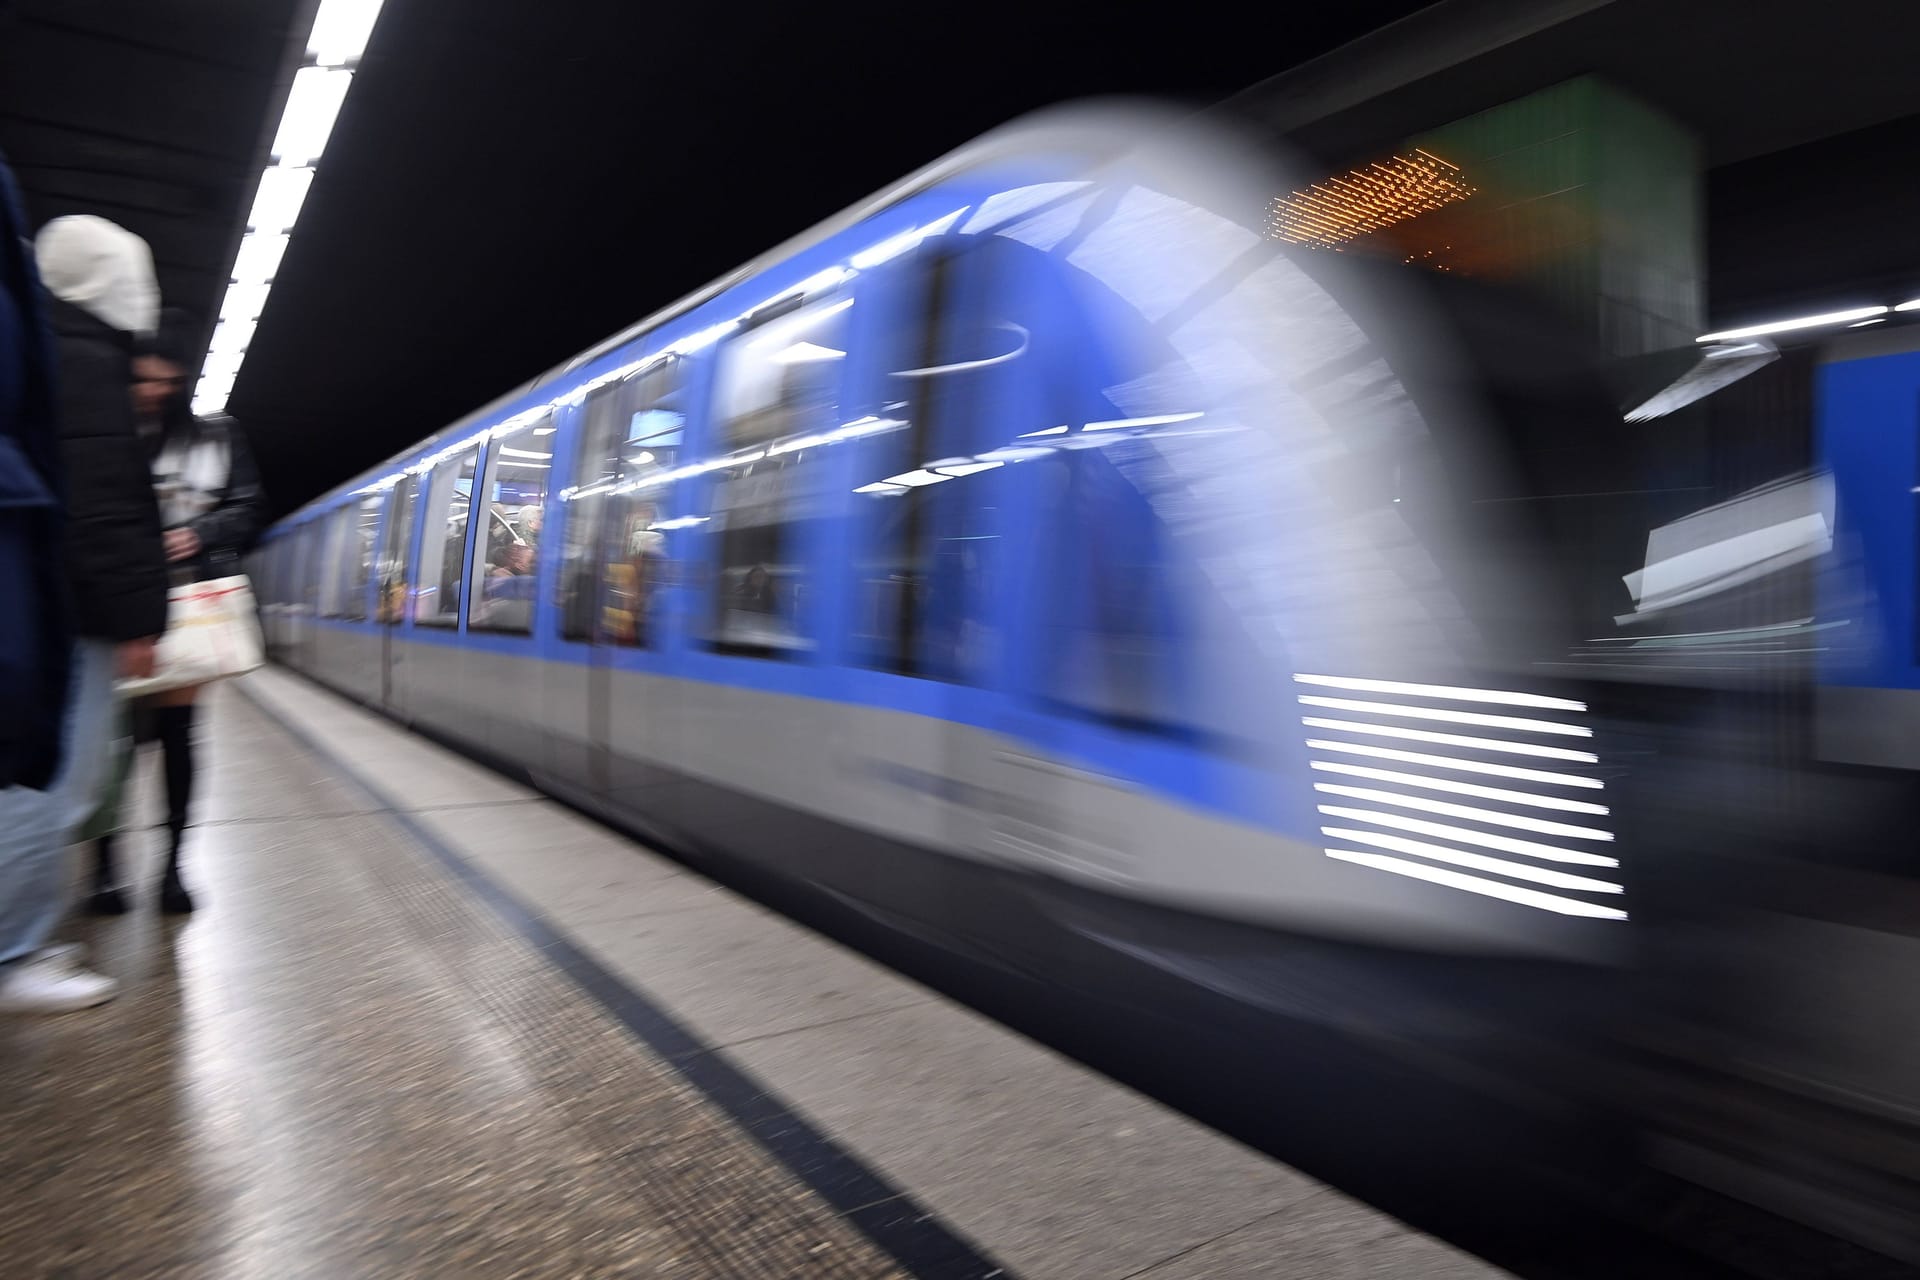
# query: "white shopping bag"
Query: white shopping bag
212,634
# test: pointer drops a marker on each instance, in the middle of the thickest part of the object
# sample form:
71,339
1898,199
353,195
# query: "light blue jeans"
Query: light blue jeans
34,824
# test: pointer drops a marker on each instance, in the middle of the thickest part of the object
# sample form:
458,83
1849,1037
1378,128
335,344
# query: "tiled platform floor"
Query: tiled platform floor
351,1064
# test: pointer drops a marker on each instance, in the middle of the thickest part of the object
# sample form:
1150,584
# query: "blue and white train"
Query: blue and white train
1039,515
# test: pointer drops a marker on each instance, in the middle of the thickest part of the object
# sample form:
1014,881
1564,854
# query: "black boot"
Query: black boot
174,727
105,898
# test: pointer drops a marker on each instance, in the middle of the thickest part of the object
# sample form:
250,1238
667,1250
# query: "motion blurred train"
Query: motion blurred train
1042,521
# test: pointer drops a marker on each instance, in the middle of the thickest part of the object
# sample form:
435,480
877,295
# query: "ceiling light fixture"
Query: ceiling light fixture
1799,322
338,37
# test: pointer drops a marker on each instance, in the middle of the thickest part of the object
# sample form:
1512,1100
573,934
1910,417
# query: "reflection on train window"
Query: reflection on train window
514,496
333,528
927,515
361,523
616,547
777,385
390,606
443,541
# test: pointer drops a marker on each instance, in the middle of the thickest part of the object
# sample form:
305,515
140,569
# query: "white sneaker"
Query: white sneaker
52,984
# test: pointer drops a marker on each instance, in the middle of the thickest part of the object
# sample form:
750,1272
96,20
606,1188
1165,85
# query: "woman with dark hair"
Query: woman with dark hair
211,509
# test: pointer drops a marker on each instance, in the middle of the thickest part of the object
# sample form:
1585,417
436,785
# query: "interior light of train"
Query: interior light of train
1120,424
340,30
259,258
894,246
681,522
1516,723
702,339
641,458
544,431
308,119
916,478
1050,431
1449,692
523,453
1466,835
1012,453
1911,304
1478,861
1861,324
1464,766
1743,349
881,486
962,467
1454,740
277,201
1447,809
805,352
1458,788
1474,884
1801,322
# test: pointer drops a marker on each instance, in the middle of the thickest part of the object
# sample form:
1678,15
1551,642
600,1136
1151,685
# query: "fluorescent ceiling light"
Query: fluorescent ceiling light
522,453
881,486
1472,813
544,431
1861,324
1501,794
221,365
964,467
1462,766
259,258
1911,304
1050,431
311,108
1802,322
643,458
277,201
340,30
244,303
1516,723
233,337
914,479
1118,424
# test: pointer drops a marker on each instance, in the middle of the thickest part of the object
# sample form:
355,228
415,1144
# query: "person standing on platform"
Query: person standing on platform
212,508
103,295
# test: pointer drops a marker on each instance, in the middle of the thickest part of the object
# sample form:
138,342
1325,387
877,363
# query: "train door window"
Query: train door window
616,553
927,519
310,557
513,495
333,545
777,384
443,540
390,605
360,523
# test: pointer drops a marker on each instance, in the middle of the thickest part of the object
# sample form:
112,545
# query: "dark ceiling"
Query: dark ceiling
510,182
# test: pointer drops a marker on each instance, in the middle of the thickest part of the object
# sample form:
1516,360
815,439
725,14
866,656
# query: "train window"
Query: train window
927,522
359,524
616,549
443,541
333,544
390,605
777,384
514,497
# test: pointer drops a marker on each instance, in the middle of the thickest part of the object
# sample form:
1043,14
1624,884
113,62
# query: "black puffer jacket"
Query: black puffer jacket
206,481
116,567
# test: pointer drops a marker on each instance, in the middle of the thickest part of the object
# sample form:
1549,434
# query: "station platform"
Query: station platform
430,1023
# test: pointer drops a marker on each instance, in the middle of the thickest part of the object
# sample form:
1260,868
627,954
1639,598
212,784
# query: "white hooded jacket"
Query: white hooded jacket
102,268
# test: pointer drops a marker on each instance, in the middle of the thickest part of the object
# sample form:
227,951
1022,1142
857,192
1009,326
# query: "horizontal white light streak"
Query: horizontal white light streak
1516,723
1798,322
894,246
1446,809
522,453
915,478
680,522
544,431
1120,424
1451,693
1558,803
1470,743
1474,884
1479,862
961,467
806,353
1911,304
1449,762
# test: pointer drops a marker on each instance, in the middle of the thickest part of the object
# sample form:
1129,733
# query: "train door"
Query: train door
390,586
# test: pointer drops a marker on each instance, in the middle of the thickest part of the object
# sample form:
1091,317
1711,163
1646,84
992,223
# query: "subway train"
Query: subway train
1041,529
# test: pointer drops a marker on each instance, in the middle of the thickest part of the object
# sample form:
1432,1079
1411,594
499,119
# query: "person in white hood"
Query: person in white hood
103,297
